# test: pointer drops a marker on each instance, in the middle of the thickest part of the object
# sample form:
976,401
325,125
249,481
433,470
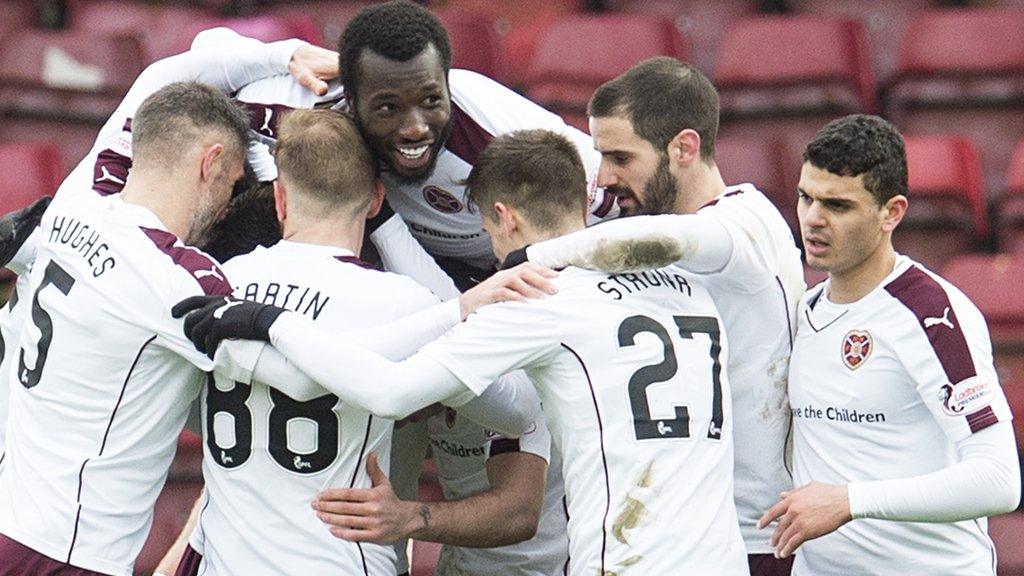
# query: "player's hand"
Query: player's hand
17,226
526,280
806,513
369,514
313,66
211,319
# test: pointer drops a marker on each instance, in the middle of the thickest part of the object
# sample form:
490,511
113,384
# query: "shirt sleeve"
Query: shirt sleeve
754,257
698,243
948,357
401,253
985,482
510,405
495,340
536,440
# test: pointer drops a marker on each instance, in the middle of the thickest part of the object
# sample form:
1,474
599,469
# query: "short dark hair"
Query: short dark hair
861,144
397,30
661,97
321,153
539,172
173,118
250,221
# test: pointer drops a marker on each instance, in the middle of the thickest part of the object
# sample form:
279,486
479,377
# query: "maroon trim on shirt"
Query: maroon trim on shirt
926,298
258,117
110,165
204,269
606,205
981,419
726,195
356,261
468,138
504,446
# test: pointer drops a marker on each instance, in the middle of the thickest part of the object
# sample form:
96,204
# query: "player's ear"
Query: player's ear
684,148
209,162
506,217
893,212
378,198
280,200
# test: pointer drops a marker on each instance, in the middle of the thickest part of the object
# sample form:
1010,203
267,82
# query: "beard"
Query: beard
660,193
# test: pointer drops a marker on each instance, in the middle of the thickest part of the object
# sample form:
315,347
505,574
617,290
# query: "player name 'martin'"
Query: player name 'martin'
84,240
302,299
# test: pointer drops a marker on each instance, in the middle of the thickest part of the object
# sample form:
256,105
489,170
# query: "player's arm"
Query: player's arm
169,563
697,242
354,374
401,253
504,514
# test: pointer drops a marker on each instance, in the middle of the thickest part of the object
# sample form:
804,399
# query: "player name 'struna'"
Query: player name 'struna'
616,284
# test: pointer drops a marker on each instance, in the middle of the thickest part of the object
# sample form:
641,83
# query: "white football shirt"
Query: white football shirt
103,382
266,456
763,275
883,388
630,371
461,449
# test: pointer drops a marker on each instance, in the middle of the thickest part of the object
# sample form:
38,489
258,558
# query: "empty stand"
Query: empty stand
31,171
961,71
476,44
15,16
773,65
158,27
947,214
989,282
1009,212
569,65
883,20
1005,531
784,77
330,16
703,22
764,163
62,86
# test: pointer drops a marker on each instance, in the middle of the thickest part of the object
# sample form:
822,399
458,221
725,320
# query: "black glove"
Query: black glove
382,216
515,258
211,319
17,226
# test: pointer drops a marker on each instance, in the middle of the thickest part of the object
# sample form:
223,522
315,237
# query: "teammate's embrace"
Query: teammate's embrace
104,376
630,372
900,422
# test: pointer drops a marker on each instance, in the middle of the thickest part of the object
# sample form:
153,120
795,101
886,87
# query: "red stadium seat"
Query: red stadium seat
960,71
774,65
568,65
764,163
159,27
883,20
16,16
476,44
33,170
947,213
1009,211
61,86
265,28
988,281
703,22
330,16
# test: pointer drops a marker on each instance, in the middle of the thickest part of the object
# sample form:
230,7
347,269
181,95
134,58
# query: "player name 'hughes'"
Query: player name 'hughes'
83,239
619,284
303,300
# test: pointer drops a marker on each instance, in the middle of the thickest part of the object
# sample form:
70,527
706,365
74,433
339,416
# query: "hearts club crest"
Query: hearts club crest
857,346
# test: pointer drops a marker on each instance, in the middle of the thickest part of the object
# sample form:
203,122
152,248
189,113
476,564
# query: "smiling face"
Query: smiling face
403,110
632,169
841,223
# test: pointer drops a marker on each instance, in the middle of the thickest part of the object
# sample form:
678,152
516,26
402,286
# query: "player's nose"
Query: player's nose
414,127
605,175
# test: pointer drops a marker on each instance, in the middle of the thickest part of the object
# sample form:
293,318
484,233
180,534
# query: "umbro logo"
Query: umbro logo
944,320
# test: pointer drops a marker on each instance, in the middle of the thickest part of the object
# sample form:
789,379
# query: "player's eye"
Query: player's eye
432,101
620,159
385,108
803,196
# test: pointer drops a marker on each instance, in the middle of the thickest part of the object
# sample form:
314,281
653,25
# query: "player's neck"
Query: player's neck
701,186
536,235
851,285
344,232
164,197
